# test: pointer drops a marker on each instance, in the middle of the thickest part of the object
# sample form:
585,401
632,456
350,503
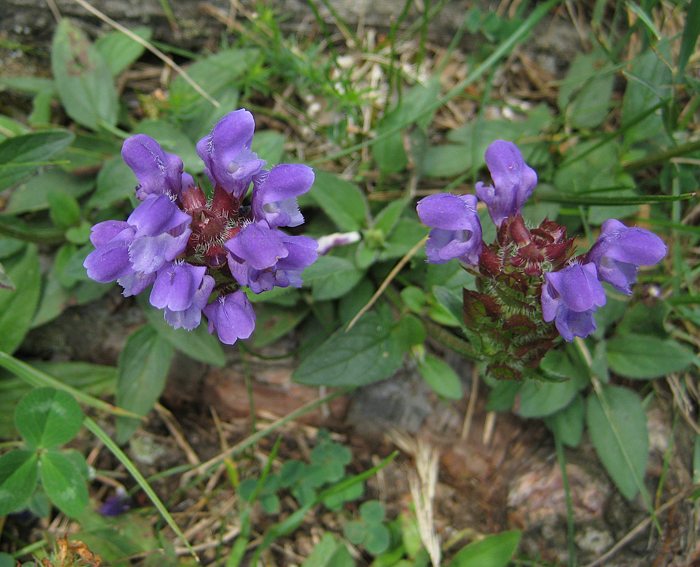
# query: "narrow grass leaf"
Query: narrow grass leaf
691,31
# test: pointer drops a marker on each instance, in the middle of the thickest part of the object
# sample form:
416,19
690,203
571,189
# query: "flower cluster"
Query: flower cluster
188,246
527,278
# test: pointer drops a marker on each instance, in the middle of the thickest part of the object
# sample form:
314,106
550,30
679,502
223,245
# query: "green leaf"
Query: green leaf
388,151
273,322
143,368
17,307
172,139
34,194
5,280
329,552
446,160
387,218
47,418
584,96
20,156
83,78
649,82
492,551
366,353
341,200
18,476
618,429
642,357
119,50
115,182
372,511
567,424
64,483
378,539
269,145
540,399
331,277
691,31
441,377
197,344
64,209
6,560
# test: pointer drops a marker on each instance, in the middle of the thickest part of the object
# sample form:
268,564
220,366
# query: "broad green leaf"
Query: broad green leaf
492,551
387,218
89,152
64,482
446,160
10,127
584,95
331,277
115,182
441,377
341,200
5,280
644,319
540,399
9,247
197,344
618,429
47,418
20,156
567,424
649,82
173,140
378,539
119,50
405,236
83,78
389,152
269,145
18,476
17,307
329,552
643,357
143,368
64,210
6,560
273,322
34,194
366,353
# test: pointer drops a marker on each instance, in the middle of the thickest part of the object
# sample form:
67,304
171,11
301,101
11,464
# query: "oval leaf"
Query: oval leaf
540,399
366,353
441,378
47,418
20,156
331,277
643,357
64,482
143,368
341,200
83,78
618,428
17,306
492,551
18,475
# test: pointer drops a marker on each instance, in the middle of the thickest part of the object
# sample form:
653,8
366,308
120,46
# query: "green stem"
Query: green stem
16,228
570,527
661,157
451,341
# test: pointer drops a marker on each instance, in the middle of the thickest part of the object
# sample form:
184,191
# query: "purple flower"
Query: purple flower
158,172
117,504
456,228
175,286
190,318
232,317
226,153
155,233
275,193
261,257
513,181
569,298
620,250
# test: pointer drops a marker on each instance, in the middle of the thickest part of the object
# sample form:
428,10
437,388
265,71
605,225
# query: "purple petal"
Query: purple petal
578,287
275,192
550,301
149,253
157,215
158,172
448,212
232,317
572,324
109,262
226,153
135,283
513,181
258,245
103,232
302,252
176,285
191,317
